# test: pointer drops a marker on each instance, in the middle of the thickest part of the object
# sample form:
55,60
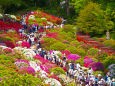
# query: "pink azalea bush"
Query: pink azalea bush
54,77
7,50
24,61
25,44
73,57
45,68
28,70
41,59
66,52
52,35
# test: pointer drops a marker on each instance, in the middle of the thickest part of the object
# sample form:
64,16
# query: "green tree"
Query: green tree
78,4
92,19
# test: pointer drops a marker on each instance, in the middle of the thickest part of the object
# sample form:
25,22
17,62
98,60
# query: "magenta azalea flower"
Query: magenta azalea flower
73,56
88,60
28,70
25,61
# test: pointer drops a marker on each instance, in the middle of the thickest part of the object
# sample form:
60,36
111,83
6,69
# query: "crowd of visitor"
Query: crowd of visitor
82,76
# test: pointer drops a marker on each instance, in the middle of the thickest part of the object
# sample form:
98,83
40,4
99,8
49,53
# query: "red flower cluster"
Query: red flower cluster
49,18
10,25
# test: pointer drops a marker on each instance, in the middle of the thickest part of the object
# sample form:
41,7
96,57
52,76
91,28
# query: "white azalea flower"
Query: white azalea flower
50,23
13,16
32,17
1,15
53,82
44,18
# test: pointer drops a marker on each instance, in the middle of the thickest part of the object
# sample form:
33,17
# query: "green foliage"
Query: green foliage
93,52
81,52
69,28
57,70
75,43
98,72
21,80
48,42
59,46
78,4
80,61
92,19
72,49
110,43
108,61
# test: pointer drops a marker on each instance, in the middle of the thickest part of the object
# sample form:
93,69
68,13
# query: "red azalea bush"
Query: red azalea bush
9,44
7,50
10,25
48,18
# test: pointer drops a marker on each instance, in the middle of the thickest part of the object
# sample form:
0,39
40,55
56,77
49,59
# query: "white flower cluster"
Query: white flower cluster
53,82
44,18
28,53
32,17
49,23
1,15
13,17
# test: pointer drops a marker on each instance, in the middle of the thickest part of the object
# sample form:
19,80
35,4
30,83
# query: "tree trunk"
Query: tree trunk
3,14
107,35
67,6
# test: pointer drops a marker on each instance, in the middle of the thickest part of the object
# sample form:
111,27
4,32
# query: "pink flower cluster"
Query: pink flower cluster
66,52
25,44
73,56
41,59
52,35
28,70
25,61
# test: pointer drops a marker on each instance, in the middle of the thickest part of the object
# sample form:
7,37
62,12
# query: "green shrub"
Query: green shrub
69,28
110,43
22,80
81,52
80,61
59,46
57,70
74,42
72,49
93,52
108,61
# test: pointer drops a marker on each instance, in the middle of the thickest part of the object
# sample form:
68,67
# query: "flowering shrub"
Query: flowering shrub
88,60
66,52
55,77
97,66
9,44
7,50
25,44
10,25
42,19
57,70
73,56
28,70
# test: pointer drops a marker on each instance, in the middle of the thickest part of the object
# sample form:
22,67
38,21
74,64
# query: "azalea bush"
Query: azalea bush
18,79
110,43
81,52
72,49
57,70
42,19
108,61
58,46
